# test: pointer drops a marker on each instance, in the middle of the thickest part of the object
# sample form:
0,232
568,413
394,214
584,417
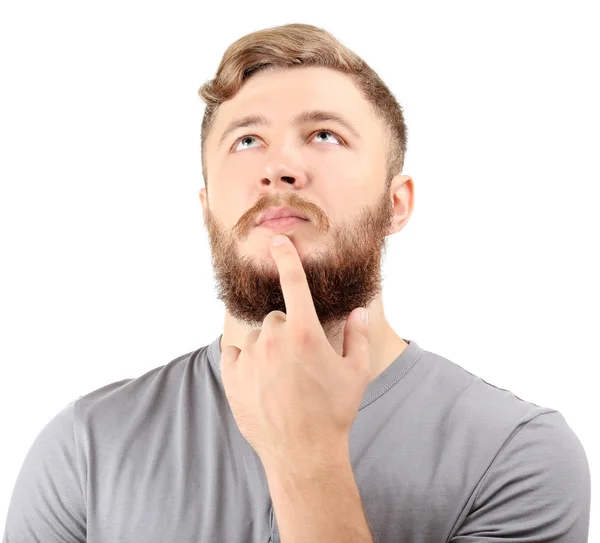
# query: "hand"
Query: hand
292,396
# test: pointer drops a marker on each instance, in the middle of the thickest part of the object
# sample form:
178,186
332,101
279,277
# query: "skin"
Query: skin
335,178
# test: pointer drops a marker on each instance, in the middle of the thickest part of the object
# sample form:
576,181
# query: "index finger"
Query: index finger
299,304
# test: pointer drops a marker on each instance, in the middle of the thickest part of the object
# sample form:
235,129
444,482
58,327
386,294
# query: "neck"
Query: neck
385,344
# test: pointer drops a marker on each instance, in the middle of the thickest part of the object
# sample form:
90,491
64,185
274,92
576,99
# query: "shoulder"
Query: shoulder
531,477
113,399
472,405
537,486
48,500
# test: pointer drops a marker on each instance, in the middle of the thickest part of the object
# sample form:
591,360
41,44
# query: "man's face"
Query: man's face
334,177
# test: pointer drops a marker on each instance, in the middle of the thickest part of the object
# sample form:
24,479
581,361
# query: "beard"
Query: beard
344,276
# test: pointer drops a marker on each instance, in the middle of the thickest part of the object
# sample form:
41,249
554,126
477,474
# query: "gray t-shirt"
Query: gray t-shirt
438,454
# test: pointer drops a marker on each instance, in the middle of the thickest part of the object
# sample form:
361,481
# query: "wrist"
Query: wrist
296,470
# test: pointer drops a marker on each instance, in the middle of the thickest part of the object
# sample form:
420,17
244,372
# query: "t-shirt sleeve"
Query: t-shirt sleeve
537,488
47,503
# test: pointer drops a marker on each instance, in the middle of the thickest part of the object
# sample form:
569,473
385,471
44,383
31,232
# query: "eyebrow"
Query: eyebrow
312,115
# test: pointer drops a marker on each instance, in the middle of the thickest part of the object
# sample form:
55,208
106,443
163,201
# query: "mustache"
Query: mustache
248,219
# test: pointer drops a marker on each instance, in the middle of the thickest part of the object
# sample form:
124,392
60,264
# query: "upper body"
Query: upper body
438,454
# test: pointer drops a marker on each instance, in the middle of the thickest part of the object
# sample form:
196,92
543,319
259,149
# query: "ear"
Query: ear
203,200
402,192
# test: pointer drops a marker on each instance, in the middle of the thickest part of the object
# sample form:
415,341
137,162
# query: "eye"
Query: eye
242,139
324,131
317,133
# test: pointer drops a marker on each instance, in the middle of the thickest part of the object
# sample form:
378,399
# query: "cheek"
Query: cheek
231,190
235,170
227,205
341,176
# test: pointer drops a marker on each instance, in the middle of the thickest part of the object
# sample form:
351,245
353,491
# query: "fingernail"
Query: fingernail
277,240
364,314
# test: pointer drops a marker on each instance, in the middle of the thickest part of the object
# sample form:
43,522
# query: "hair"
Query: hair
297,45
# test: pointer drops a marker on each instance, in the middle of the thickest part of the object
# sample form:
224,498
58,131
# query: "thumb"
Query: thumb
356,335
229,356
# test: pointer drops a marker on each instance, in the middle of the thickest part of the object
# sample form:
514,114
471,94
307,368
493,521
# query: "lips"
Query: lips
279,213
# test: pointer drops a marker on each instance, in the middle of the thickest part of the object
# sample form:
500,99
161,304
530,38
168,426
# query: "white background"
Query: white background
106,270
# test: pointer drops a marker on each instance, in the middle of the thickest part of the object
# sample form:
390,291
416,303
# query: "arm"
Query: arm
318,503
47,503
536,489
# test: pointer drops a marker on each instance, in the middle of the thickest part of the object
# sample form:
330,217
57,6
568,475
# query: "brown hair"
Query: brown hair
296,45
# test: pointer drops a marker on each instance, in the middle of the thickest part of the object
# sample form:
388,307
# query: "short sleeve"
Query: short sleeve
537,489
47,503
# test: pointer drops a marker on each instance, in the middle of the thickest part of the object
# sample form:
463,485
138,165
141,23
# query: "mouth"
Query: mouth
283,223
273,213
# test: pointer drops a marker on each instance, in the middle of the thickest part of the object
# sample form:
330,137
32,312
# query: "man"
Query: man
301,422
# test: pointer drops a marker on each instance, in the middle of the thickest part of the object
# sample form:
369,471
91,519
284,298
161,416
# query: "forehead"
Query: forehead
280,94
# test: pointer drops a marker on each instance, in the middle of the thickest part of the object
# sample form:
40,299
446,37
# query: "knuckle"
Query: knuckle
251,339
273,318
303,336
270,341
269,332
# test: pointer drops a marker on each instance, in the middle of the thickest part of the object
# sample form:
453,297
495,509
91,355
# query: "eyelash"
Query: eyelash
315,132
